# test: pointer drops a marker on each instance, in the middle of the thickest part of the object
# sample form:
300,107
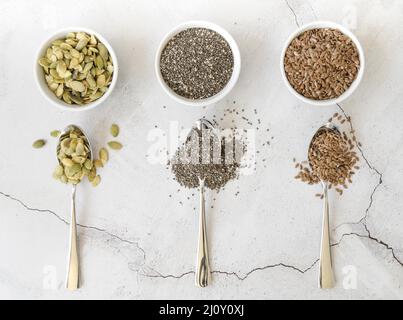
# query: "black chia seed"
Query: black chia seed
189,162
197,63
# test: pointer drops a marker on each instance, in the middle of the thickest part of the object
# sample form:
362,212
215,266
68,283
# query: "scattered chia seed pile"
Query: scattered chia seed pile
208,157
235,116
197,63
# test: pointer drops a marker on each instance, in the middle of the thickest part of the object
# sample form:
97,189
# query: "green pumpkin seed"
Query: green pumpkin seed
54,86
44,62
114,130
39,143
67,162
98,163
71,42
88,164
95,96
63,179
66,97
88,67
92,174
93,40
55,133
103,51
78,159
77,86
115,145
59,90
80,149
58,172
99,62
65,46
57,42
81,44
90,80
109,67
103,155
96,181
101,81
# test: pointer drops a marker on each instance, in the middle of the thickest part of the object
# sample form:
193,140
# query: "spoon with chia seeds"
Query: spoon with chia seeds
203,274
72,281
326,279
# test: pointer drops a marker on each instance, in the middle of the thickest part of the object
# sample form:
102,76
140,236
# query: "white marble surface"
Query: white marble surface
138,243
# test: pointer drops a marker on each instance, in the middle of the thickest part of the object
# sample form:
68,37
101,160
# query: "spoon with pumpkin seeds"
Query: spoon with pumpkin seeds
74,154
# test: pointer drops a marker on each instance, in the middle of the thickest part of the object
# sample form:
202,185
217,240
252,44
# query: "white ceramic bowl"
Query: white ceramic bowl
40,75
354,85
235,73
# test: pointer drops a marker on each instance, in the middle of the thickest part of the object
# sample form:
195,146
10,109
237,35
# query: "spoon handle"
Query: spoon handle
202,267
72,273
325,268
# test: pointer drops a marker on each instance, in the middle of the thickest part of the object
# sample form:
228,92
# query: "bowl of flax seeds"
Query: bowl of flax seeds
322,63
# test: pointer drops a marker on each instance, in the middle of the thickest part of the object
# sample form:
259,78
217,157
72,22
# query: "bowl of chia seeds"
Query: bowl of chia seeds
198,63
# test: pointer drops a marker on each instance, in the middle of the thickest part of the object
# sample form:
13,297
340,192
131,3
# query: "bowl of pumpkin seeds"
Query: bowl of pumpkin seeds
76,69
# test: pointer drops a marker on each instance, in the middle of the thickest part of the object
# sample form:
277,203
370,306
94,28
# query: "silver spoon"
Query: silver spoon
203,274
326,279
72,282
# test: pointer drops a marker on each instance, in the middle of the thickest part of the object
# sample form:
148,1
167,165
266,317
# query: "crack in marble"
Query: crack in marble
256,269
235,274
312,9
293,12
277,265
372,238
159,275
167,276
370,166
104,231
363,220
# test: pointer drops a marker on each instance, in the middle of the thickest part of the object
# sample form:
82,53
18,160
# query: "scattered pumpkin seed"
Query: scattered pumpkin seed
39,143
115,145
55,133
98,163
114,130
103,155
96,181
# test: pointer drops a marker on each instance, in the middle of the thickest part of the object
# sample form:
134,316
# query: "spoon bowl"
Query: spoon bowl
327,127
66,131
